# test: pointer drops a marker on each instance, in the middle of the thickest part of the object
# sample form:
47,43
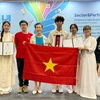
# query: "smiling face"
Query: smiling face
59,24
6,26
38,28
73,29
87,30
23,26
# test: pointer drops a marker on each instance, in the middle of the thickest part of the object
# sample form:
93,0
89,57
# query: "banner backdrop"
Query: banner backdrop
81,13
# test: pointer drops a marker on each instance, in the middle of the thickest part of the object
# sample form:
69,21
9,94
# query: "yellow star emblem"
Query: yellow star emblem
50,65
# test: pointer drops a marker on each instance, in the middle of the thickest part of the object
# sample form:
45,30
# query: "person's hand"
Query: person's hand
80,48
83,48
86,49
24,42
49,44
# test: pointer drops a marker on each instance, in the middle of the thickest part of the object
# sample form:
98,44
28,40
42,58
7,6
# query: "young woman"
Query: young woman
7,73
97,53
88,85
73,30
39,39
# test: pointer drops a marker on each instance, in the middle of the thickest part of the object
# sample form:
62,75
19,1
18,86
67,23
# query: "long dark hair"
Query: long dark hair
2,32
73,25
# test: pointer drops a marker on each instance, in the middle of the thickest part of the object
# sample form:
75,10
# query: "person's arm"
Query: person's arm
93,46
97,49
50,39
31,40
12,38
45,41
84,49
15,40
66,35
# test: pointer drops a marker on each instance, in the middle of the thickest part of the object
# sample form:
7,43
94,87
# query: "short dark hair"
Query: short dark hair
23,21
74,25
87,27
59,18
38,24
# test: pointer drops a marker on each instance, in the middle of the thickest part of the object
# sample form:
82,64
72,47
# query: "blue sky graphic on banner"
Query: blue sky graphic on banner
43,14
81,13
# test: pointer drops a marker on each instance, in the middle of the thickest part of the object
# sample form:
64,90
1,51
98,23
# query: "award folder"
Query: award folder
73,42
67,43
0,48
8,48
57,40
78,42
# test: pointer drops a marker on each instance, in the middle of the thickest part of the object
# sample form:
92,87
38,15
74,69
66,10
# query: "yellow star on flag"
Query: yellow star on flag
50,65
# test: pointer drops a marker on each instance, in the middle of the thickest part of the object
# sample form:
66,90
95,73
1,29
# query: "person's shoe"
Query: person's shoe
25,89
54,91
34,92
40,91
60,90
70,89
1,92
6,92
20,90
70,92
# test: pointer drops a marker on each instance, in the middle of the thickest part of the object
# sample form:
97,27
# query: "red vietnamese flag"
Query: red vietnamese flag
50,64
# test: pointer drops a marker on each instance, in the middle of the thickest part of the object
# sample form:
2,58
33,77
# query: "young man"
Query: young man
59,20
20,39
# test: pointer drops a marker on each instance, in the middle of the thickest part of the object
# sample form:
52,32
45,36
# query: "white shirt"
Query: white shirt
56,32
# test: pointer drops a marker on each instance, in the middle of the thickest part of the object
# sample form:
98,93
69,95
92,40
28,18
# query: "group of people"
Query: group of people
88,65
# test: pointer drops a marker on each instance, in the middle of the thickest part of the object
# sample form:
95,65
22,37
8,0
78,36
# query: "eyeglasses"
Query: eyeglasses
23,25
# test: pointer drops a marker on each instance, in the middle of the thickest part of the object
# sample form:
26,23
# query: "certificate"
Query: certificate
57,40
0,48
8,48
78,42
67,43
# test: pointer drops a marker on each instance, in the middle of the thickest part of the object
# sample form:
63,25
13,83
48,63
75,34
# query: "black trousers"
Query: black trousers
20,67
